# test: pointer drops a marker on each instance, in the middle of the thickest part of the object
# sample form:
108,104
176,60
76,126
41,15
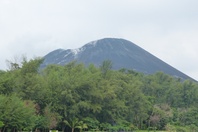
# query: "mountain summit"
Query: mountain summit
122,53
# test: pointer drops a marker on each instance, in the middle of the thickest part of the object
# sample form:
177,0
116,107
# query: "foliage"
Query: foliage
17,114
92,98
75,123
1,124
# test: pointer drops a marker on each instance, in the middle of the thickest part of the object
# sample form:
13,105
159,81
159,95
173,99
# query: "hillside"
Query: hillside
122,53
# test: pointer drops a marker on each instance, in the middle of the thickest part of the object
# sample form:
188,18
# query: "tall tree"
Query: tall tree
106,68
17,114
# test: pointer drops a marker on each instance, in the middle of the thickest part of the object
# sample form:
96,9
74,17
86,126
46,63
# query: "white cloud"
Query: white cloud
166,28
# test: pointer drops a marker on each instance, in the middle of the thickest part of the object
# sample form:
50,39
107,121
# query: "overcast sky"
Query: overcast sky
166,28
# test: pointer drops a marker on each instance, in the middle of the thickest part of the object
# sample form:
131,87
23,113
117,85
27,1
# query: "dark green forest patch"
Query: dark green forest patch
75,97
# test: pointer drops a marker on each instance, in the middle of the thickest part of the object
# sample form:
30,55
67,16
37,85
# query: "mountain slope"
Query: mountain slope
122,53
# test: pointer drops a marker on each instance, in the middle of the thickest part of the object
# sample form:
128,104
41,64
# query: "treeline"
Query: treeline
75,97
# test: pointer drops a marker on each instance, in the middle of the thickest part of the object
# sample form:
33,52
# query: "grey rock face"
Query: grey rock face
122,53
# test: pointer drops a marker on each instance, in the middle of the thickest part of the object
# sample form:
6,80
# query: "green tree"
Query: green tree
1,125
6,82
82,126
17,114
74,123
106,68
92,123
52,118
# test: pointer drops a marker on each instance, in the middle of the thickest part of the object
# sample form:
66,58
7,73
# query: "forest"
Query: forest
75,97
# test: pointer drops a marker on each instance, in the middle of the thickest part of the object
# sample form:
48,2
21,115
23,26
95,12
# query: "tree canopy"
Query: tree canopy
74,97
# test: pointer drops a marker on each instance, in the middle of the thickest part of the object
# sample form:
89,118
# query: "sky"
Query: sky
167,29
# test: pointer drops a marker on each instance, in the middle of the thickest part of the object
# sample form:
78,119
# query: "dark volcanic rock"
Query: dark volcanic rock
122,53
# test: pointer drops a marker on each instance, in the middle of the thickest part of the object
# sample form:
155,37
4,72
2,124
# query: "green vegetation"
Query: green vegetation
78,98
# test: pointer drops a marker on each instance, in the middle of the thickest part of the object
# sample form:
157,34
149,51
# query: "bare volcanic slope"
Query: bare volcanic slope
122,53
